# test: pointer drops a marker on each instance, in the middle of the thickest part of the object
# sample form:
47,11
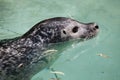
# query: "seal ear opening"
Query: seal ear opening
64,31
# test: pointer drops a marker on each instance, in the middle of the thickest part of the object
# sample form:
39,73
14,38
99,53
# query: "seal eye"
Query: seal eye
64,31
75,29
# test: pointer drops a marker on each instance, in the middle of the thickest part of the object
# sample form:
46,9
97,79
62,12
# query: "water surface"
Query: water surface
96,59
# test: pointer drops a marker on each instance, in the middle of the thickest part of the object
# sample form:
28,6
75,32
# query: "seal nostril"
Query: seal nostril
97,27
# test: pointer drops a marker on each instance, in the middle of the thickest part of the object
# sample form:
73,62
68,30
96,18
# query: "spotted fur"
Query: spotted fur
24,56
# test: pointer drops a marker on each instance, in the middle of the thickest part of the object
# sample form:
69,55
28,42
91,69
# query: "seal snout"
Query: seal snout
93,26
90,30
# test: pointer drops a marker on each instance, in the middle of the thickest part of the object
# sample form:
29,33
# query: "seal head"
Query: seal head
61,29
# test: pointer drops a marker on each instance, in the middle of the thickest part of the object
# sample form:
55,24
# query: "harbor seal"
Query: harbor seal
24,56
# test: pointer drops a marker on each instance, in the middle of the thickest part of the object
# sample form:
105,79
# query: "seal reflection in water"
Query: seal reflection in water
24,56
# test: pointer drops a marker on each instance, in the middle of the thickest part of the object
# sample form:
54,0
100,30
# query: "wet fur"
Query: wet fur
20,56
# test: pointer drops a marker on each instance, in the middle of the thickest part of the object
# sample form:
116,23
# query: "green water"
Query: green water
80,61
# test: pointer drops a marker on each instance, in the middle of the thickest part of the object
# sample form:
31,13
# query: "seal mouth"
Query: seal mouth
91,34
